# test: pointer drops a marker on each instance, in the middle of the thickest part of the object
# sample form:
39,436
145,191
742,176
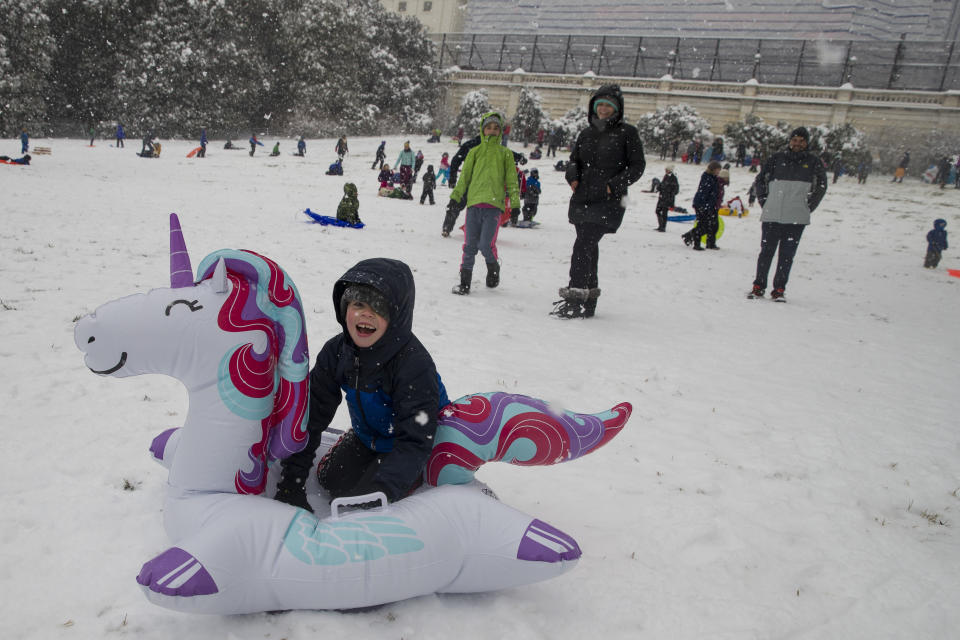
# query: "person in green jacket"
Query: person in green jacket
489,173
349,209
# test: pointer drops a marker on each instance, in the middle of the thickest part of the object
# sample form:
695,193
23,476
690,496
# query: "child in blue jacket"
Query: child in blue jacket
936,243
391,385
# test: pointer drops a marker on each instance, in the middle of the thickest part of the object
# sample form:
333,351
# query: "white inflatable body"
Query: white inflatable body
237,342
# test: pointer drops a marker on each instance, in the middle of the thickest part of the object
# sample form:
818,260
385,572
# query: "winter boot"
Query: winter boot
777,295
571,304
696,244
463,288
590,306
493,274
756,292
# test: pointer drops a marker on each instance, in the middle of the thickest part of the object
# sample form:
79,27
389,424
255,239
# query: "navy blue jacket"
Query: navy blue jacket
708,193
393,391
937,237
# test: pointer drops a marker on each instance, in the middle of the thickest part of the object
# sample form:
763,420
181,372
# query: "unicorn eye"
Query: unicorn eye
193,306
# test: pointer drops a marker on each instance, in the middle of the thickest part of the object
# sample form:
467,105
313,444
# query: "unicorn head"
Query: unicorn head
236,339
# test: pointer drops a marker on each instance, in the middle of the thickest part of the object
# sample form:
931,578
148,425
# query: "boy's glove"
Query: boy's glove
291,491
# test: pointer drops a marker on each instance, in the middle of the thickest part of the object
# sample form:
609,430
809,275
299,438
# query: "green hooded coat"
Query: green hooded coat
489,172
349,209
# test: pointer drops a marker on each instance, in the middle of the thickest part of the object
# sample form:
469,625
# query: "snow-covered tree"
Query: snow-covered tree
26,52
679,122
757,135
472,107
93,38
571,124
365,69
198,67
529,116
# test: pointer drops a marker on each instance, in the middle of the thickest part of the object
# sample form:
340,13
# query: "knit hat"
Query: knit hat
598,101
802,132
669,168
368,295
491,118
724,175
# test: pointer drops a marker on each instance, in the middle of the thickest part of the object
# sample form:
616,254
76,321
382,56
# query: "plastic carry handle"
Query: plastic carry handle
355,500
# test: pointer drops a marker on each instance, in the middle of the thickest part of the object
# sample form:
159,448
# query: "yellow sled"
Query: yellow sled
724,211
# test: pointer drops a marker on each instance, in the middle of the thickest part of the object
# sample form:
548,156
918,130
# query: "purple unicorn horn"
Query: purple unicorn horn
181,274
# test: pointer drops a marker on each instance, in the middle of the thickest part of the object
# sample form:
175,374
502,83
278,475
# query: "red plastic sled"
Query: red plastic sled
194,152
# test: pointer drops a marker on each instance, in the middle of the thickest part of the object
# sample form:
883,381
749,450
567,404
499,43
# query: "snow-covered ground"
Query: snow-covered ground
790,471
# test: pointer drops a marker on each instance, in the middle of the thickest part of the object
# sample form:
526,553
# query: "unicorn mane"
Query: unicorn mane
271,385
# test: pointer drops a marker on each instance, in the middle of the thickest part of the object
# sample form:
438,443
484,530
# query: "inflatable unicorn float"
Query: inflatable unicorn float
236,339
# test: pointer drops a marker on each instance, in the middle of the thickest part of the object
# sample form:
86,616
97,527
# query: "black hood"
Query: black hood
394,280
610,92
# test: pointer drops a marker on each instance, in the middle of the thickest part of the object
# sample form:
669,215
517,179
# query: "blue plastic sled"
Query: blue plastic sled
327,220
686,218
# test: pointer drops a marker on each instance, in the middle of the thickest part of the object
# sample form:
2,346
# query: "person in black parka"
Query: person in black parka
706,205
391,385
669,187
606,159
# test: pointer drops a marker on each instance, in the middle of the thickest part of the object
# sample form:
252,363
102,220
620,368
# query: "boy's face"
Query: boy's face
364,325
491,129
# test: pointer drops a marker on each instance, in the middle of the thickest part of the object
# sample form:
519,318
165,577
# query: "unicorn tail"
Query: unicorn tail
517,429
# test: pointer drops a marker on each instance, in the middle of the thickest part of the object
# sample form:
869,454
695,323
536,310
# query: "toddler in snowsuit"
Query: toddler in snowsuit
936,243
429,184
531,198
349,208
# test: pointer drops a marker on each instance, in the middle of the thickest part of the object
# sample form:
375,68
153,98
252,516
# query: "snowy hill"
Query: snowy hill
790,471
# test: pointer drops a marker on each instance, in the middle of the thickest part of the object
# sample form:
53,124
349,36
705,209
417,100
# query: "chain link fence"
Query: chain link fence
905,65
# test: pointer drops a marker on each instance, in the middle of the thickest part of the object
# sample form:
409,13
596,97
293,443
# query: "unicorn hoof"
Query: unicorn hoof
176,573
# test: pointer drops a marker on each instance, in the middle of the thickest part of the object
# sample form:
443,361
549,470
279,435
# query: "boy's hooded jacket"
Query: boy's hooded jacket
606,154
489,172
392,388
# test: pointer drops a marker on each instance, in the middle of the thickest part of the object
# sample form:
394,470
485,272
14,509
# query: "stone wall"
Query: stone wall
870,110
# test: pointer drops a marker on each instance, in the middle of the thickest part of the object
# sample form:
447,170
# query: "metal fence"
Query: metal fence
907,65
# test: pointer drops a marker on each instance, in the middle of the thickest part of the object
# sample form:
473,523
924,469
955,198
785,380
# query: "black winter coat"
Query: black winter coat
708,193
606,154
669,188
392,389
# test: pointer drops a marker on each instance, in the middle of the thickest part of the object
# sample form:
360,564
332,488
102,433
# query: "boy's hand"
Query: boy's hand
574,184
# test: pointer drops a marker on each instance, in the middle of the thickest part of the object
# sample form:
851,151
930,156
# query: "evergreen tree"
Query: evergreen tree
529,116
26,54
572,123
365,69
757,136
680,122
92,40
472,107
197,66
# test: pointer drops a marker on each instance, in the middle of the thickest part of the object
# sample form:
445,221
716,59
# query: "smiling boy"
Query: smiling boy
391,384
